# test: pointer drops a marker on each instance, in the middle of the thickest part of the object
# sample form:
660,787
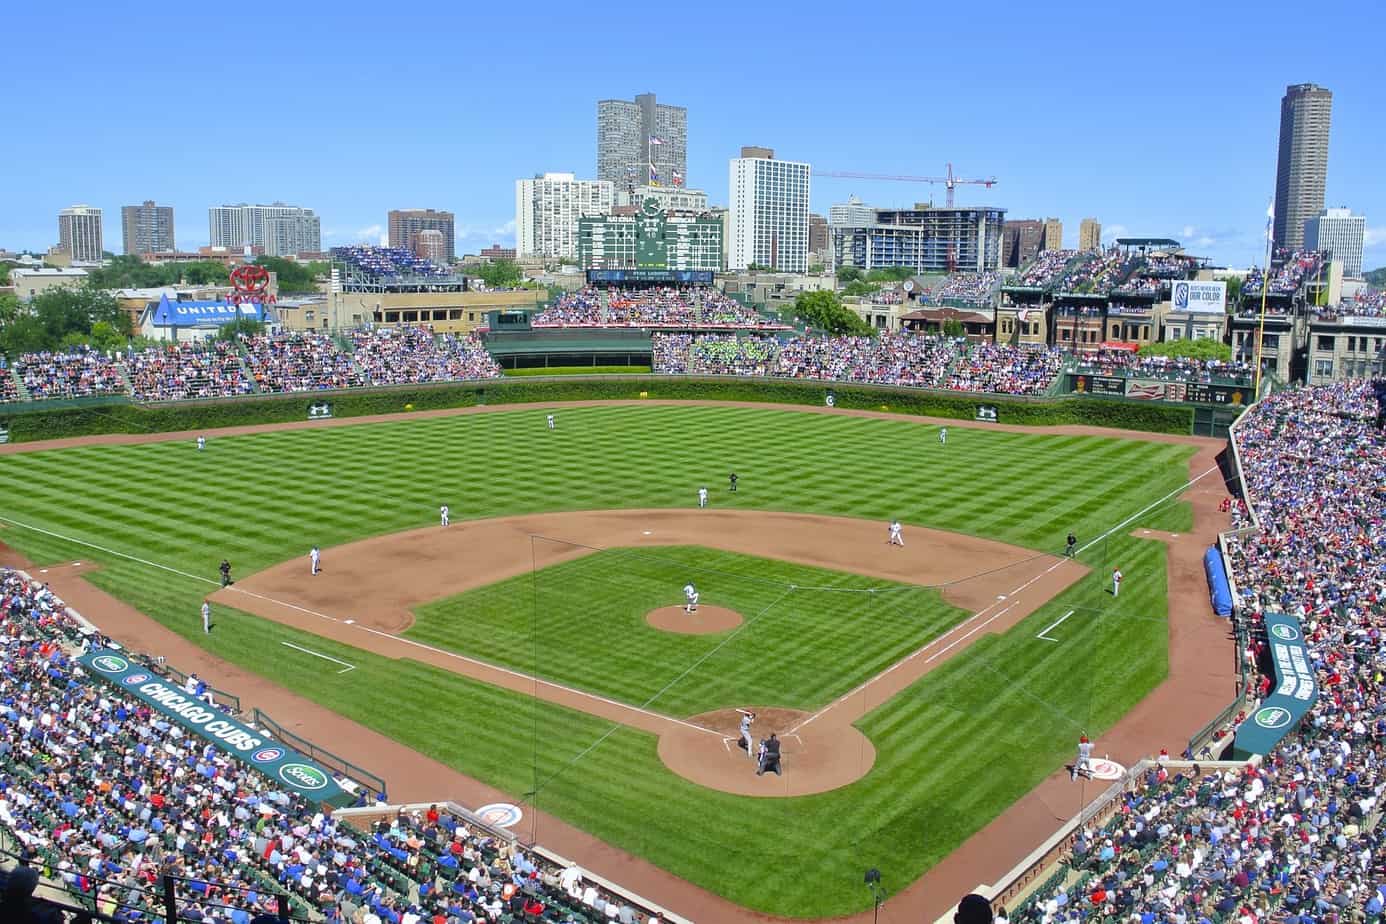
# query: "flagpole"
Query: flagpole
1265,288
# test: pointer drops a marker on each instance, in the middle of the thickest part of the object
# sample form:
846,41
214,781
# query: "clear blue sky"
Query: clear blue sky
1158,119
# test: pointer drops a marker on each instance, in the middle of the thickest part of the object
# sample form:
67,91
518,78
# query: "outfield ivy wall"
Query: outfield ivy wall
30,423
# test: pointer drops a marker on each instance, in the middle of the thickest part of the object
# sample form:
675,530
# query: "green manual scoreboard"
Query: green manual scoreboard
651,239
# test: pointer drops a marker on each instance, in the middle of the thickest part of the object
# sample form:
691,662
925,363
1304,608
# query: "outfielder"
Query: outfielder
315,558
895,537
745,739
206,617
702,497
201,443
1083,764
551,426
943,436
443,515
1116,581
690,596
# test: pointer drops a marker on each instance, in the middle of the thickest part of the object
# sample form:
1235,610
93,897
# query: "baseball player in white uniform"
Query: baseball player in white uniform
1083,763
702,497
551,426
943,436
315,558
206,617
443,515
895,537
201,443
690,596
745,740
1116,581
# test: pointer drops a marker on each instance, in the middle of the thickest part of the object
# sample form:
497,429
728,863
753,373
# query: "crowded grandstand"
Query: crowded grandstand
698,307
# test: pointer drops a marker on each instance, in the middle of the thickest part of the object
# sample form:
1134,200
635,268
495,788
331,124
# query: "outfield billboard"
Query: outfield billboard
1198,297
285,766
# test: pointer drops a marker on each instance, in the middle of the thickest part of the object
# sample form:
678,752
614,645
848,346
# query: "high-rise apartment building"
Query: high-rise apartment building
1020,241
429,244
925,239
79,233
234,226
850,214
547,209
147,228
1090,234
1341,233
641,143
1302,168
405,223
1053,234
769,201
818,235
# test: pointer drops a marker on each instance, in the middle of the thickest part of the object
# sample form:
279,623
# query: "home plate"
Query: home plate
1000,596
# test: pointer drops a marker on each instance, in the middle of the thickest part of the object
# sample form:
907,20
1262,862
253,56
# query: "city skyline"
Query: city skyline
1202,172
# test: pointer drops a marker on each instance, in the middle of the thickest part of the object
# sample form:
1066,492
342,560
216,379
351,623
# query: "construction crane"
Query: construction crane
950,181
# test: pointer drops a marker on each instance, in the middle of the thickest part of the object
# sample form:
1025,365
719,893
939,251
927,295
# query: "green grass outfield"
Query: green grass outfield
952,751
810,634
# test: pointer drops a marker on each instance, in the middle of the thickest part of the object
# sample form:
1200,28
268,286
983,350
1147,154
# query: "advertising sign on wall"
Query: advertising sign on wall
1199,297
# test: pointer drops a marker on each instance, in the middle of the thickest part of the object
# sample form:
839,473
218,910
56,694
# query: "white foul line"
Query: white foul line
1044,633
349,667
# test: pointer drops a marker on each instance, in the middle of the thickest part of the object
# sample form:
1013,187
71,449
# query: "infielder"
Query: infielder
315,558
745,738
551,422
443,515
702,497
1116,581
206,617
943,436
690,596
201,443
1083,764
895,537
1071,548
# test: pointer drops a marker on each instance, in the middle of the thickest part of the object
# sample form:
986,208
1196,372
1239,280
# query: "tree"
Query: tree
890,274
857,288
952,327
5,273
205,273
824,311
846,274
1234,293
1189,349
53,316
815,269
757,268
291,276
234,329
500,274
1376,277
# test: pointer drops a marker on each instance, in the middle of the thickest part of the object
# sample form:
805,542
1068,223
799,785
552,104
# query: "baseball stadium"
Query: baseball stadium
662,657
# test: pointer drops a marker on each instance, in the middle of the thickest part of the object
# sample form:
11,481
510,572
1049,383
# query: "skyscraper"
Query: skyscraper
405,223
1341,233
147,228
1020,241
547,209
769,202
642,143
1302,169
79,233
234,226
1090,234
1053,234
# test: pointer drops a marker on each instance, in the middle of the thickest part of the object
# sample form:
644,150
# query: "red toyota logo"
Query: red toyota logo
250,279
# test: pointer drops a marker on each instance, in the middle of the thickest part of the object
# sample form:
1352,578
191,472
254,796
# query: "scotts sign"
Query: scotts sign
281,764
1294,693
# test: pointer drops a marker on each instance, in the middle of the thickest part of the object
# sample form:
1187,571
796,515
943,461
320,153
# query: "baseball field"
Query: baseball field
516,646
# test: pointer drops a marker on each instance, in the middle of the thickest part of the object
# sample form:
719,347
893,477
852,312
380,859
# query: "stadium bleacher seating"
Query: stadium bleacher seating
293,361
1295,268
410,355
81,372
388,263
662,306
9,389
188,370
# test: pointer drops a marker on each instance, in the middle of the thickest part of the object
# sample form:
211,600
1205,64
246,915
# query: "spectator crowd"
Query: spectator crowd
657,306
174,372
401,355
80,372
393,263
973,289
1293,270
1172,368
108,796
1044,269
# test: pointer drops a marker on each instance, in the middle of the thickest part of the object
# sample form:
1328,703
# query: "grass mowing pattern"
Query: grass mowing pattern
806,639
1013,702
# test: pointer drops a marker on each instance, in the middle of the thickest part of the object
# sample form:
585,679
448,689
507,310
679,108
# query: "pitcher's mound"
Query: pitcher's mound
706,620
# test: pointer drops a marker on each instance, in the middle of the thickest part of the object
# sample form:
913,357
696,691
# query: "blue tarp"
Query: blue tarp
204,314
1219,591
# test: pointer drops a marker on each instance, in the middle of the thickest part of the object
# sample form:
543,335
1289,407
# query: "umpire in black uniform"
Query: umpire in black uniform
770,756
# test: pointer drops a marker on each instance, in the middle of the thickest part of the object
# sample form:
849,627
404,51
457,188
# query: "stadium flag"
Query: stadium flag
654,176
1270,220
654,140
678,178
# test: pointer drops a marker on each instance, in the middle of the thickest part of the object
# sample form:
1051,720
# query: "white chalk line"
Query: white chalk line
303,609
1044,633
318,654
1058,564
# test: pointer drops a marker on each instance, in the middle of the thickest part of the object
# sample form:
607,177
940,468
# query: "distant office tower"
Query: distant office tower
1020,241
1302,170
79,233
234,226
405,223
850,214
769,202
1341,233
642,143
1090,234
547,209
818,234
428,244
147,228
1053,234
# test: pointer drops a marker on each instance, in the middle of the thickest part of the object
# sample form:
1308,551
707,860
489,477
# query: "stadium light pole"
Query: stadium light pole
1265,288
